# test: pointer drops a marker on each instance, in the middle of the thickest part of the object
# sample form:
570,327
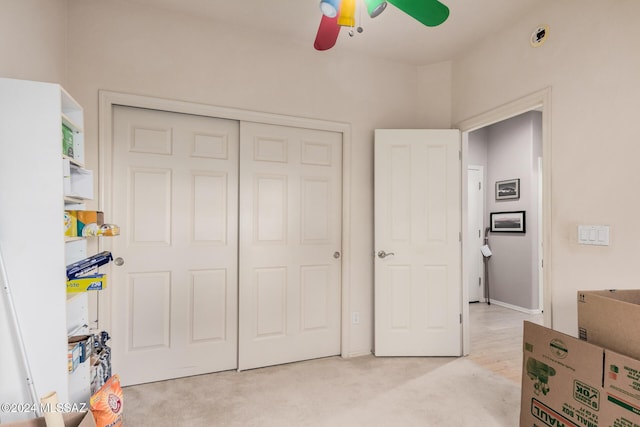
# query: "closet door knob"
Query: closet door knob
119,261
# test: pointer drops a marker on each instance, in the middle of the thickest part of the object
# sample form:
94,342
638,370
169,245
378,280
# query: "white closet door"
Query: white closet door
290,243
174,301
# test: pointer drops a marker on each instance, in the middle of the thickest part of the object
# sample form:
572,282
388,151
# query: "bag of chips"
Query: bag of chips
106,404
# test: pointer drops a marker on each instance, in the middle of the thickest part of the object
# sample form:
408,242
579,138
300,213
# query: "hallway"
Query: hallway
496,338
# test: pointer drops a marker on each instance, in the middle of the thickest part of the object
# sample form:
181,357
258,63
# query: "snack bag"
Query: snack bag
106,404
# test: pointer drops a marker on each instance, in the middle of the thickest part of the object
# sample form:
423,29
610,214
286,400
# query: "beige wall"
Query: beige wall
434,102
592,63
33,42
127,48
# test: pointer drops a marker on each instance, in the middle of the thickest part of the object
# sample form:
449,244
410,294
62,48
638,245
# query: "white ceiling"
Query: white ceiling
393,35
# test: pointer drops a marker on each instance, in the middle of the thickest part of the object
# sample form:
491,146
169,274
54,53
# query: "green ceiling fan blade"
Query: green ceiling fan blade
430,12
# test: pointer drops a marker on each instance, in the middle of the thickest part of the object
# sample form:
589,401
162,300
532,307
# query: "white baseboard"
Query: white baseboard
515,307
356,354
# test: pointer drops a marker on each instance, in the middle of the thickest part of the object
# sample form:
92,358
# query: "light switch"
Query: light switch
603,235
593,235
583,234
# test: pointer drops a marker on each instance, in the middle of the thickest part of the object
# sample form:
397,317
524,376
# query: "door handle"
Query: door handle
119,261
383,254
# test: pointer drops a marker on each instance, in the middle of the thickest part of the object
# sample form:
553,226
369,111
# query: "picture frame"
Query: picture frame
508,189
508,222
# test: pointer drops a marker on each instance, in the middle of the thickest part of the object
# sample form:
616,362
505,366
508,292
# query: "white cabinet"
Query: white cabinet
32,239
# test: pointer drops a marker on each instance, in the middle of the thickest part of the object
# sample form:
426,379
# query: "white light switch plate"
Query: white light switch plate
593,235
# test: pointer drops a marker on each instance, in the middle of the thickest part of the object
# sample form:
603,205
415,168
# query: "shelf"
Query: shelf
78,184
73,161
73,199
71,109
72,115
71,124
33,117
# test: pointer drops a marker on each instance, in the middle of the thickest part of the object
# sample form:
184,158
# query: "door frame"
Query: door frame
542,100
484,197
109,99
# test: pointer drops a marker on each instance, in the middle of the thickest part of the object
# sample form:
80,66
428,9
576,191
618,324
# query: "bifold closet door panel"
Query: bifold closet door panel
175,195
290,244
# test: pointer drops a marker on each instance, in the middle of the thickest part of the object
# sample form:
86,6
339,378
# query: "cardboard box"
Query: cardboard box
622,390
84,266
72,419
87,219
70,223
567,382
606,317
93,282
67,141
73,356
561,380
86,346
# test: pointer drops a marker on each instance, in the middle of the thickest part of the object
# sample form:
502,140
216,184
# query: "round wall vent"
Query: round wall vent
539,35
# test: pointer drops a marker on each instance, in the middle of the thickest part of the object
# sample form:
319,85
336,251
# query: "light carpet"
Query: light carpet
362,391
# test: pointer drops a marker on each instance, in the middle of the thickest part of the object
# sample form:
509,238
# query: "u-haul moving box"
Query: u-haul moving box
561,380
621,391
567,382
610,318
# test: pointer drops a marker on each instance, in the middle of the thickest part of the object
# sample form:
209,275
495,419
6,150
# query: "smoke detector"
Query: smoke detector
539,36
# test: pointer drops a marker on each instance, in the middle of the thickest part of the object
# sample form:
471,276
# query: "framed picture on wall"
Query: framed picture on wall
509,189
508,222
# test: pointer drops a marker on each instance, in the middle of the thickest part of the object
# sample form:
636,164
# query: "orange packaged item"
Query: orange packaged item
106,404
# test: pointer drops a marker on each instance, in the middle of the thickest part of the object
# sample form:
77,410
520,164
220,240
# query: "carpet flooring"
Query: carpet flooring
361,391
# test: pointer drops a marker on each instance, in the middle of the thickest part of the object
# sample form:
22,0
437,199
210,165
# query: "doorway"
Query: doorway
508,151
540,101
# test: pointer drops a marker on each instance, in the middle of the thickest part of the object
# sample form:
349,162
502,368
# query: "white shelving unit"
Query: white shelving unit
32,202
77,307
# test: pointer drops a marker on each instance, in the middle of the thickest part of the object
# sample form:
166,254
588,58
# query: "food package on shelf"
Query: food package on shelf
70,223
88,264
93,282
89,219
102,230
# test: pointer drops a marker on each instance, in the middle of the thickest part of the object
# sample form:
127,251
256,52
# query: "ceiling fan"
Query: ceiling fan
341,13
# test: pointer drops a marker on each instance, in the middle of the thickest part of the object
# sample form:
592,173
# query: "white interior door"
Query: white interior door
418,279
290,243
475,240
174,192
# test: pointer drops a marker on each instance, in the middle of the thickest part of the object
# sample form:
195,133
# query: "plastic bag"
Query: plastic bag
106,404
